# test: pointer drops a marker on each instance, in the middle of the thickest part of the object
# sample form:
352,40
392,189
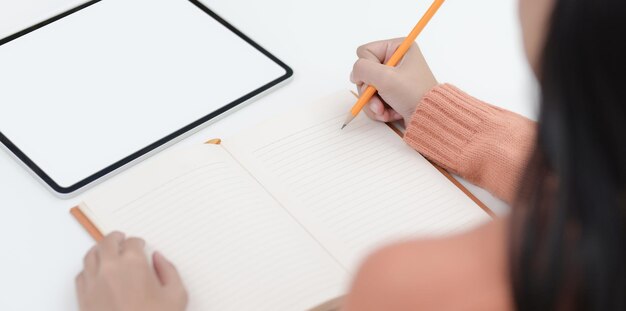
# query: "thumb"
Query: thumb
166,272
372,73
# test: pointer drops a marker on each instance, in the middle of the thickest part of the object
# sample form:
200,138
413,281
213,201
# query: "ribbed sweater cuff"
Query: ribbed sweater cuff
486,145
445,122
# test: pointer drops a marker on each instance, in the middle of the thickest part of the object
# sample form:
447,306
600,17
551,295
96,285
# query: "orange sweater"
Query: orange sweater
484,144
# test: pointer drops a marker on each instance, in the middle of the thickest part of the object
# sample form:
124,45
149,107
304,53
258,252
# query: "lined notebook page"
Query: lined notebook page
235,246
356,188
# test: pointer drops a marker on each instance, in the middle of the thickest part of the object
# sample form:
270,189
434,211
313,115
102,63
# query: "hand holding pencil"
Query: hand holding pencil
399,89
390,53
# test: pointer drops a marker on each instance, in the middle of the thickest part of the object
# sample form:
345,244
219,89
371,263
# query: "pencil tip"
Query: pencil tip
344,126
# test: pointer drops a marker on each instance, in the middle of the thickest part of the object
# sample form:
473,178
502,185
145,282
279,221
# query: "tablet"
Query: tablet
100,87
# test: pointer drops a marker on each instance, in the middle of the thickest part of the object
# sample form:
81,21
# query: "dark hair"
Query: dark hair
568,233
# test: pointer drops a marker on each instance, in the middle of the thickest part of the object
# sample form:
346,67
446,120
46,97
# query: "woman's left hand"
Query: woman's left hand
118,276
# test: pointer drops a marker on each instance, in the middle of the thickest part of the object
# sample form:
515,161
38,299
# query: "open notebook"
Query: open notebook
279,217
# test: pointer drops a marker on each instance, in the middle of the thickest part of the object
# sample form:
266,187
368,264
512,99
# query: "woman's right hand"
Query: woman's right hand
400,88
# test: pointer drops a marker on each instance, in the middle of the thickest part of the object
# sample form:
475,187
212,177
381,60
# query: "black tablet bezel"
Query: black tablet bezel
77,186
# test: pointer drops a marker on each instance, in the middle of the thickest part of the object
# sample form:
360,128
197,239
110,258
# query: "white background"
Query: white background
473,44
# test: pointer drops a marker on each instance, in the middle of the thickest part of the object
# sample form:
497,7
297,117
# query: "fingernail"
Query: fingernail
161,257
376,108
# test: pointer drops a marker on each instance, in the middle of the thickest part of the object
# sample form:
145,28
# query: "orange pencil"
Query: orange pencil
395,59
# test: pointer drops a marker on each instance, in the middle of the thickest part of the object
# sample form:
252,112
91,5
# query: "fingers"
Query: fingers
110,247
372,115
370,68
370,72
395,116
376,106
106,249
90,261
80,288
169,278
166,272
374,109
80,281
133,245
132,251
400,88
380,51
125,279
377,110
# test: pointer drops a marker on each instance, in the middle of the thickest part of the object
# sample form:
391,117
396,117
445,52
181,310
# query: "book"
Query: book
280,216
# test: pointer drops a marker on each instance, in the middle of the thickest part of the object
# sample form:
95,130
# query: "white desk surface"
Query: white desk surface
473,44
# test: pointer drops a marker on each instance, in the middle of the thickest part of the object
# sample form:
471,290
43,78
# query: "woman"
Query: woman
562,247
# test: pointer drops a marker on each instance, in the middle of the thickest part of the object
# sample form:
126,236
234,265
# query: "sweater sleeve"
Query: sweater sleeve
484,144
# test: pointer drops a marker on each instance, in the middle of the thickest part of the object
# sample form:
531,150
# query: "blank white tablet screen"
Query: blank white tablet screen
100,84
